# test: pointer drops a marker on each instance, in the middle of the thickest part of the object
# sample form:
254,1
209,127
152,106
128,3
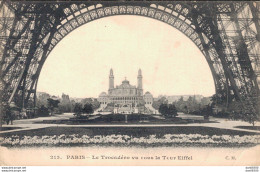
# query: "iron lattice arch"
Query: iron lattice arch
227,33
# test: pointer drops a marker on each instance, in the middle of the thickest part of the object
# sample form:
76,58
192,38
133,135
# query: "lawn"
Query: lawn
121,119
130,131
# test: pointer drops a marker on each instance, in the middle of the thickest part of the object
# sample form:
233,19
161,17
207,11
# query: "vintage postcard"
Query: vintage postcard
159,83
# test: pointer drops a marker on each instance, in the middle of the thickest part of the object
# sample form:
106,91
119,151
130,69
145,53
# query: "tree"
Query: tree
205,101
157,104
52,104
250,114
251,118
88,108
78,109
181,99
86,100
168,110
172,111
189,103
95,104
181,105
163,109
42,99
185,109
219,99
207,111
190,100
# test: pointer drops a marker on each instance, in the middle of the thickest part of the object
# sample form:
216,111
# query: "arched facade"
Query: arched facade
123,94
39,27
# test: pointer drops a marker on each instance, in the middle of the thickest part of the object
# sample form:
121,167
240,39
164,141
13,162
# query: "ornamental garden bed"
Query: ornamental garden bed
121,119
173,140
182,136
128,130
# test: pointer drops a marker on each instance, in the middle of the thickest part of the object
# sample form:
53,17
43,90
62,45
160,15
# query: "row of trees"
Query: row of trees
235,110
191,105
215,105
11,111
49,108
53,105
170,110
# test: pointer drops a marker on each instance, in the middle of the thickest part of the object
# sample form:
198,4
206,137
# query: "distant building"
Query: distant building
148,98
125,97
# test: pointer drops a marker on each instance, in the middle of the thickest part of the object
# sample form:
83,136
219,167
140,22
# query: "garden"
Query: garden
124,119
177,136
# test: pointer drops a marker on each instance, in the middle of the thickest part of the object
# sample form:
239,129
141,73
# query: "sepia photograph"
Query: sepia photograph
137,83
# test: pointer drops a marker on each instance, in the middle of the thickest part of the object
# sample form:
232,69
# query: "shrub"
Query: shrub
43,111
168,110
88,108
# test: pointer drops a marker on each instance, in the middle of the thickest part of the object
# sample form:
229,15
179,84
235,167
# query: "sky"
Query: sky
171,63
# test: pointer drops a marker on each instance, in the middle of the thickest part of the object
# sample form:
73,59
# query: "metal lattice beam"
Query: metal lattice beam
227,33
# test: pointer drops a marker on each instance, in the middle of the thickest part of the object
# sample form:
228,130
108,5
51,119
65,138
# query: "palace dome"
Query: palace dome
148,94
125,82
102,94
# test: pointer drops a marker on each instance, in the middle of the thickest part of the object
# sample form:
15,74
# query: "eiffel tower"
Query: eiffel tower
227,33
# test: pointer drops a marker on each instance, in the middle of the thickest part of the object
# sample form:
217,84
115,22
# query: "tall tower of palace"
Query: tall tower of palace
140,80
111,79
